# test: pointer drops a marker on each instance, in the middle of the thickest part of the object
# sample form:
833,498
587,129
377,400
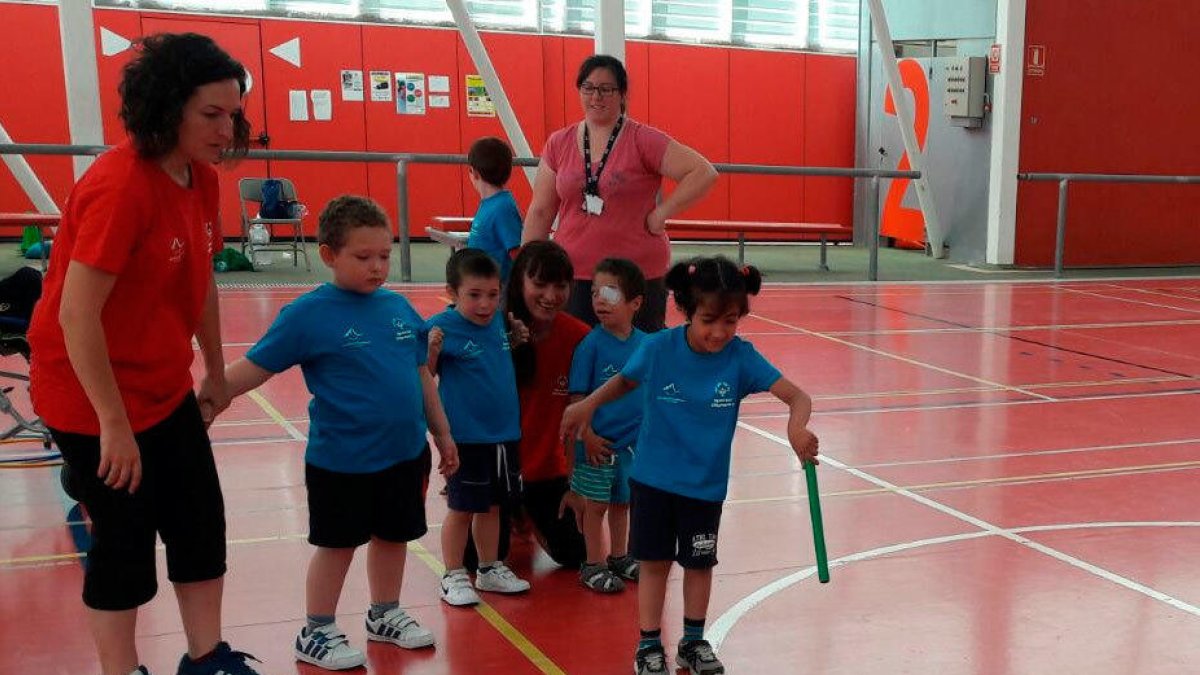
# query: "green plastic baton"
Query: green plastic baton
818,526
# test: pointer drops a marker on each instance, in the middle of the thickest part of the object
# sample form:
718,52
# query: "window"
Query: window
707,20
834,24
770,22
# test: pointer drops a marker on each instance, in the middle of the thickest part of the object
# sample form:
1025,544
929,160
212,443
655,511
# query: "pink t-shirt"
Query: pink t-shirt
628,185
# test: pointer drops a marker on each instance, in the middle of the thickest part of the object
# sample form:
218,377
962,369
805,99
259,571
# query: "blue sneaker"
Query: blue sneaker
222,661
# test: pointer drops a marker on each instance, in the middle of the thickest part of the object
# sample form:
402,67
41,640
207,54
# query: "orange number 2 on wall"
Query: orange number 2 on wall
898,221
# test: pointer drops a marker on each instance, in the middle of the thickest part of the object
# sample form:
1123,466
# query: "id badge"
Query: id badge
593,204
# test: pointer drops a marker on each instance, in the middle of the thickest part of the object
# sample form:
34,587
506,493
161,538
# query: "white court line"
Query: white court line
1132,301
977,404
719,629
1012,535
1014,329
1035,453
905,359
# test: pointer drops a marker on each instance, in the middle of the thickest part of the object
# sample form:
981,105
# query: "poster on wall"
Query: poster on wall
297,105
439,101
322,100
381,85
352,85
410,93
439,84
479,104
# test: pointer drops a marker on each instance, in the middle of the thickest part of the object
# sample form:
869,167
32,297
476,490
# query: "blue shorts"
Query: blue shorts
489,474
604,483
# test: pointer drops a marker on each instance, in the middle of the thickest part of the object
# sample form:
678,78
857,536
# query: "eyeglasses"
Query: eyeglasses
604,90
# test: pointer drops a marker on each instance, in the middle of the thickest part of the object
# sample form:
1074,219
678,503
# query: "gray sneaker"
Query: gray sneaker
699,658
650,661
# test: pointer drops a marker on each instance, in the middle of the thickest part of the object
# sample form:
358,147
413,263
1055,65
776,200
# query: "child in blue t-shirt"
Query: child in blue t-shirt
496,228
603,457
360,349
693,378
469,350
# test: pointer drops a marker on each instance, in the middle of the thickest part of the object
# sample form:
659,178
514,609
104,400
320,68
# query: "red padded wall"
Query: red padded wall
1119,97
434,190
35,111
129,26
325,50
829,111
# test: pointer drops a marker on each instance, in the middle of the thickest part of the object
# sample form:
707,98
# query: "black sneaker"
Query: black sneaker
650,660
699,659
222,661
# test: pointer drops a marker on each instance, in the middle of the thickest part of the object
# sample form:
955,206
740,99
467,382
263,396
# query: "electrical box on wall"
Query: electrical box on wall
964,95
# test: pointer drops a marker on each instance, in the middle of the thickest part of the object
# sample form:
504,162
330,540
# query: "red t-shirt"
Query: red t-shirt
628,185
544,399
128,218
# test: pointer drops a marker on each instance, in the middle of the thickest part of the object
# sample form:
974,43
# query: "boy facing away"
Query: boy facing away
496,228
359,347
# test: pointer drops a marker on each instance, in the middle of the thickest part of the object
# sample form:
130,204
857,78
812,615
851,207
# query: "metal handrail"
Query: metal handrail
403,159
1064,181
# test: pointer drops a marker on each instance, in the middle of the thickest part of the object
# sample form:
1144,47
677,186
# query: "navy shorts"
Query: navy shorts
489,474
668,526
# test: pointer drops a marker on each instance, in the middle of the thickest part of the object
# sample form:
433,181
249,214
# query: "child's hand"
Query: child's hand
596,447
436,336
447,454
518,332
573,501
804,444
574,419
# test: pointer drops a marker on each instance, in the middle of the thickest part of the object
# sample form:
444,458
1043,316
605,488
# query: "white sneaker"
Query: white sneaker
500,579
327,647
398,628
456,589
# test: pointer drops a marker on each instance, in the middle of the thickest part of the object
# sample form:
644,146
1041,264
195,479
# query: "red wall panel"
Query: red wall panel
36,110
766,126
241,39
325,50
1116,98
689,99
829,105
434,190
129,26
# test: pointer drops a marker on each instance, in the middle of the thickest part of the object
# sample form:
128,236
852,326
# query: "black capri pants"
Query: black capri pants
179,499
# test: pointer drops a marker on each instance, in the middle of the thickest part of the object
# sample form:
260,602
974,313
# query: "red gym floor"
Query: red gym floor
1009,486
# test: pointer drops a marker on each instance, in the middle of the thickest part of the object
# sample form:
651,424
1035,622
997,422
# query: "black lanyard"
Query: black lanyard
591,184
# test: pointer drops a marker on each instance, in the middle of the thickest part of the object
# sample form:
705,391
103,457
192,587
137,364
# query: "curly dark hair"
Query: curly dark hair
716,279
344,213
157,84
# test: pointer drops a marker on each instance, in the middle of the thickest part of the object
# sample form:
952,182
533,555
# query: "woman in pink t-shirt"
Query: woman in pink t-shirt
605,198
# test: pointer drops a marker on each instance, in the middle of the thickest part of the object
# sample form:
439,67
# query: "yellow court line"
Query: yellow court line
502,626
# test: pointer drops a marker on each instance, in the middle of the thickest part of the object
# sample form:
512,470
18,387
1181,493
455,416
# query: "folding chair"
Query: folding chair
250,190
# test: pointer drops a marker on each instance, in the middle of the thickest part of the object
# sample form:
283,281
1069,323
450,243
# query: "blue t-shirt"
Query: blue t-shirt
600,356
476,379
690,403
360,355
496,229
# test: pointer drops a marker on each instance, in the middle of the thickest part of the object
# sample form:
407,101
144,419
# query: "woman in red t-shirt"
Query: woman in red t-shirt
601,178
537,292
130,284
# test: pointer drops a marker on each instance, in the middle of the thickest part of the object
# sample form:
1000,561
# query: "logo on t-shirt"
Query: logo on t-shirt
471,350
560,386
671,394
176,250
403,332
721,397
609,371
208,236
353,338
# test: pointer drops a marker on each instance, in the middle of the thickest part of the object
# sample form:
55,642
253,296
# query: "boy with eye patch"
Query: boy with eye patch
599,463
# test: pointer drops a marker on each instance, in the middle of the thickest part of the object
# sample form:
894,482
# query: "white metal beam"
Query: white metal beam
75,27
1006,133
933,228
27,179
610,28
491,80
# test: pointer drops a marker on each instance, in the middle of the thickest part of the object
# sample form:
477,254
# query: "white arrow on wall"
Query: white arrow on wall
288,51
111,43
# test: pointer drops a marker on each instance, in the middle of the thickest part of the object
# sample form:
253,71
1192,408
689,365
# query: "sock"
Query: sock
650,638
485,567
140,670
315,621
378,609
693,629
